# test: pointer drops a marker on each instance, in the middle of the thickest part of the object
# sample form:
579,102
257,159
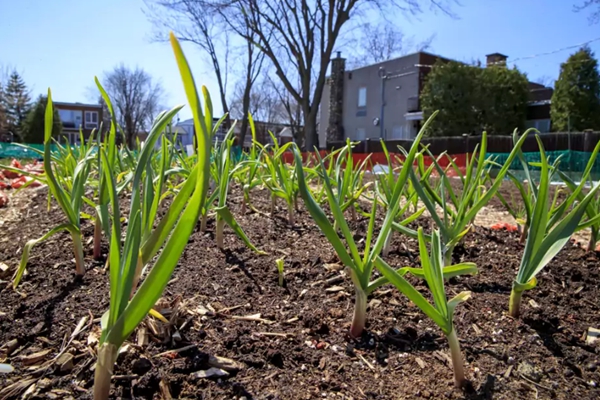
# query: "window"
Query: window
361,133
542,125
70,118
362,96
91,119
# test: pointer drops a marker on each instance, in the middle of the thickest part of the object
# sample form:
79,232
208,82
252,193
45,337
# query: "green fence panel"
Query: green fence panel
571,161
11,150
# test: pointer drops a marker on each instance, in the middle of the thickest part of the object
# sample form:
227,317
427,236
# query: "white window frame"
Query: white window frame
362,96
91,123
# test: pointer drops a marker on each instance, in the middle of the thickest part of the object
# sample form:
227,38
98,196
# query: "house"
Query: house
382,100
185,132
76,116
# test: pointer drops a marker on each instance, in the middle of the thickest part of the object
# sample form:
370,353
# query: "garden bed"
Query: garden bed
291,342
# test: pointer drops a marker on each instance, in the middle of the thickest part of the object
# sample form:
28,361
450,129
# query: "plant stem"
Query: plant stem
593,239
353,213
78,249
386,246
97,239
514,306
448,256
360,313
203,222
523,236
219,233
273,204
291,214
107,355
138,274
457,362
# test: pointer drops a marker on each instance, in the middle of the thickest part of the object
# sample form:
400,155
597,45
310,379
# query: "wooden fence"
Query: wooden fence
556,141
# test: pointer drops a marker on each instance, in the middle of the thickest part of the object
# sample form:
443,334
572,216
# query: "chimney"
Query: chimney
496,59
335,126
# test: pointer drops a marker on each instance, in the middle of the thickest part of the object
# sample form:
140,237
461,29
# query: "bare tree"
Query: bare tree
381,42
593,5
263,102
253,66
193,22
545,80
303,34
290,111
135,98
270,103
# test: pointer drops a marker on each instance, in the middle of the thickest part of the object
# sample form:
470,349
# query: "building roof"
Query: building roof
497,55
538,92
399,58
77,104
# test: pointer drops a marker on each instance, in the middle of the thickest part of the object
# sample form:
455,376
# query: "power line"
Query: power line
556,51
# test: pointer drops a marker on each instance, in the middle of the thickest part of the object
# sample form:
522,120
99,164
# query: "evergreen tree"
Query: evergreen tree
452,89
17,102
576,99
33,125
3,117
503,95
473,99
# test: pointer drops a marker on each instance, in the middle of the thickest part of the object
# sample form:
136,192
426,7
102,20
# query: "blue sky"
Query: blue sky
62,44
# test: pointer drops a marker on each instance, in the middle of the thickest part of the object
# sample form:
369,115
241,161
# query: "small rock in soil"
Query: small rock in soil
4,270
350,350
569,373
65,362
530,371
141,366
593,335
37,329
336,313
211,373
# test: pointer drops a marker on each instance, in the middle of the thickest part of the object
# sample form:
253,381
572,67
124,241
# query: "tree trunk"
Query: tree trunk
311,135
243,130
246,95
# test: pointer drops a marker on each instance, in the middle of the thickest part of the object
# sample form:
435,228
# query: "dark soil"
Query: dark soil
296,346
